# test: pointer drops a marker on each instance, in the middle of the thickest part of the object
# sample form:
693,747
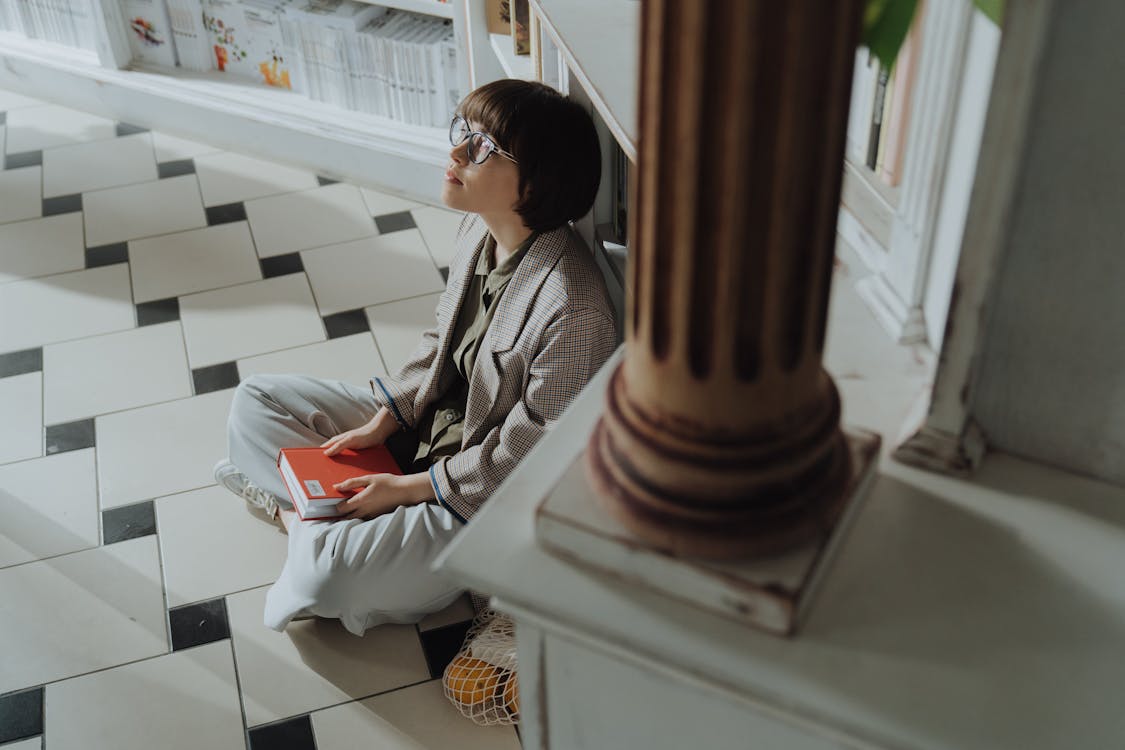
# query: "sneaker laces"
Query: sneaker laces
259,498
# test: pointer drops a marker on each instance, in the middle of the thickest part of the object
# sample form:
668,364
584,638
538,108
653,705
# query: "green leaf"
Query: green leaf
885,23
994,9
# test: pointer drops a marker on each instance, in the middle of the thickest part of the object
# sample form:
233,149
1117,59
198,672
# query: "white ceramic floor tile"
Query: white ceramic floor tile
32,743
40,247
242,549
102,164
414,718
398,327
228,177
101,374
39,520
241,321
65,306
460,611
171,148
145,210
33,128
180,701
380,269
21,403
73,614
311,218
439,227
379,203
161,449
193,261
352,359
11,100
315,663
21,193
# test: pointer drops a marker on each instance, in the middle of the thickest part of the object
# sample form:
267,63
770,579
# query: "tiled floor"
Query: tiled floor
141,276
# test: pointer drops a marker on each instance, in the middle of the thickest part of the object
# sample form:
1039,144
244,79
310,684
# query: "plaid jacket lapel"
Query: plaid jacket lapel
515,304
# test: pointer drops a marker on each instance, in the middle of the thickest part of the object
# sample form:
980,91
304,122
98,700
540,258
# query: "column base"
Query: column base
721,498
771,593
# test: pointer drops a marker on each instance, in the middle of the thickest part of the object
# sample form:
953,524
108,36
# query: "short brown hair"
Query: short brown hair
553,139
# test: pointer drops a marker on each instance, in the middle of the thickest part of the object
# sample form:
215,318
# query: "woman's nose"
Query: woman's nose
460,153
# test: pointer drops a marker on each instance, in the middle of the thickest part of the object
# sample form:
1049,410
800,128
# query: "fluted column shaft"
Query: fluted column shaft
722,436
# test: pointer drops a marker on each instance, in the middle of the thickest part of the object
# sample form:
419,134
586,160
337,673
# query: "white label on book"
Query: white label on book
314,489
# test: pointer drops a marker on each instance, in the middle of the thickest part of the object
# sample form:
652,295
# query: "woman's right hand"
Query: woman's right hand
366,436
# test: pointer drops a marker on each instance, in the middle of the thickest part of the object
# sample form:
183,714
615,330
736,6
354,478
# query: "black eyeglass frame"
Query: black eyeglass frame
470,134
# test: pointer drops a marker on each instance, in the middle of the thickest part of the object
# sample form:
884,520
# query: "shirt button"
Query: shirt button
448,416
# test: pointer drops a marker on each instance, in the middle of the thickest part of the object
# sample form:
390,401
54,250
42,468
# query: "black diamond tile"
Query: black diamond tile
70,436
442,644
444,271
196,624
158,311
63,204
388,223
124,128
175,168
291,734
128,522
23,159
17,363
215,378
346,323
107,255
225,213
21,714
281,265
325,181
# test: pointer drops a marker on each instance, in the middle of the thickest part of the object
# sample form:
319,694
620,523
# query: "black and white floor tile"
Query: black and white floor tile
142,276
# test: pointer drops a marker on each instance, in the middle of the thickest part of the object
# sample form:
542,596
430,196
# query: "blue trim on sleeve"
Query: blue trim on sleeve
440,499
391,403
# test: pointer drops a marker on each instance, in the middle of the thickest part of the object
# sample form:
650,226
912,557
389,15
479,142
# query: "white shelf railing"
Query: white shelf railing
599,40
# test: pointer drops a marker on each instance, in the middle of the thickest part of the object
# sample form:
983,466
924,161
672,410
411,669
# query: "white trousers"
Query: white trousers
363,572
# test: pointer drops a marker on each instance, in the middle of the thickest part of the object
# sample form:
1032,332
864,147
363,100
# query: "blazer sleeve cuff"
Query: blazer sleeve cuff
386,394
443,491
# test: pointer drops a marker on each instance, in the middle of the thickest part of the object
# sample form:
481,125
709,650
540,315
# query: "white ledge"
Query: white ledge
959,615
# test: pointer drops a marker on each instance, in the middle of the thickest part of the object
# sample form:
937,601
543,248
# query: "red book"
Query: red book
310,475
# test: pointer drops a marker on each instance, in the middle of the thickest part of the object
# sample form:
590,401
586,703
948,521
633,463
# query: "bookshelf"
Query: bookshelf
239,114
587,48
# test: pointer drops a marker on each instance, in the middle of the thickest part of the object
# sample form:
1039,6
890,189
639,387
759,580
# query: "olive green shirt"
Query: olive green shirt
440,429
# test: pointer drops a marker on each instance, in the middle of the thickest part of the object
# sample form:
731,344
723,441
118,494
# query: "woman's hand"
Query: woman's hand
382,493
375,432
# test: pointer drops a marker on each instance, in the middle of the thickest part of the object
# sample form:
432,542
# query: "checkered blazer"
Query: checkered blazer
553,330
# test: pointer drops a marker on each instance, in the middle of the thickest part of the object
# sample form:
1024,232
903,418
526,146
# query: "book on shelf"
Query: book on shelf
619,203
898,117
884,127
310,476
150,31
499,18
875,129
190,36
521,27
61,21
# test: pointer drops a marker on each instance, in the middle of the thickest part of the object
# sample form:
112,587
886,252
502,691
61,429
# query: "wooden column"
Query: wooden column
722,437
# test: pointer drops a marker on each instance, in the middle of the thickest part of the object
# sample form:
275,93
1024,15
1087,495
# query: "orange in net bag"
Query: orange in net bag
482,681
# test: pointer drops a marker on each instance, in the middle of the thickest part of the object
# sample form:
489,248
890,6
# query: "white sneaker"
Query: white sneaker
228,475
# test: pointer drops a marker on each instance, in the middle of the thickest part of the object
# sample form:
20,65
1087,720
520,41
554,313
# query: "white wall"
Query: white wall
1051,382
960,170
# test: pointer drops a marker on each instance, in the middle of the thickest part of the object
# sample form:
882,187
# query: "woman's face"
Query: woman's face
489,188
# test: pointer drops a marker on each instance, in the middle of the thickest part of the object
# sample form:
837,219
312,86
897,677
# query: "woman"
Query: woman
523,324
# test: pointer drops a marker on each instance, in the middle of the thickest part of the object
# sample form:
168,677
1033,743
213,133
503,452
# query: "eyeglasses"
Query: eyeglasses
480,145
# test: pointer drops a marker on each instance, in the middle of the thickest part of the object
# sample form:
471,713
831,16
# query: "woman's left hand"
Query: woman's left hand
378,494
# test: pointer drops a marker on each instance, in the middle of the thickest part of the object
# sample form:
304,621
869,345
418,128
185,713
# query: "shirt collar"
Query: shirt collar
508,266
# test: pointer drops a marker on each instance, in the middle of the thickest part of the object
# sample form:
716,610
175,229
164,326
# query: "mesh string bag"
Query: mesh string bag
482,681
